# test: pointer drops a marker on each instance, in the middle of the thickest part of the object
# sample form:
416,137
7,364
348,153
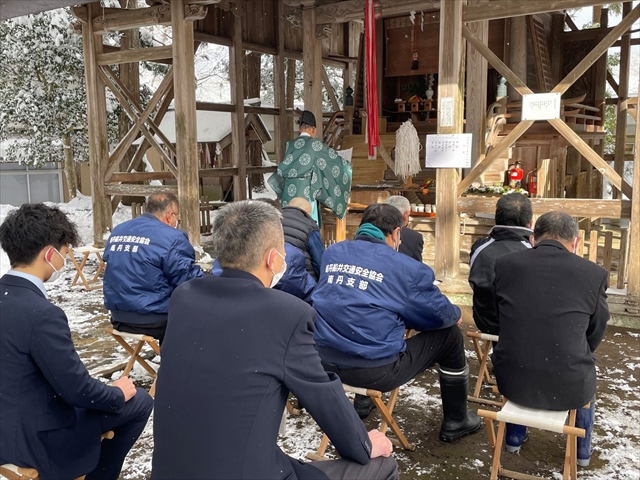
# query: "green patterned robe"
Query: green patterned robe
312,170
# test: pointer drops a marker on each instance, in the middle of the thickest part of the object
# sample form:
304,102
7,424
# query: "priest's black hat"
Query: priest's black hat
307,118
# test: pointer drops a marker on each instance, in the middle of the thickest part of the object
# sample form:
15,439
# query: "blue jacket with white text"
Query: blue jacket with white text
367,295
146,260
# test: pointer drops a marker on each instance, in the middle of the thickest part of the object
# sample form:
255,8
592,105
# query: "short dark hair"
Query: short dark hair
555,226
386,217
514,210
33,226
158,203
243,231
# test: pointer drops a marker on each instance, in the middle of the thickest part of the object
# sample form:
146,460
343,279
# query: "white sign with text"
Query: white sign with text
449,151
541,106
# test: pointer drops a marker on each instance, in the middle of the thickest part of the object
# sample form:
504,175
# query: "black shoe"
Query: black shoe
363,405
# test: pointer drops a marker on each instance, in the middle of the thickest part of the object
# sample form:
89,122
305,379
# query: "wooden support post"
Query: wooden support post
97,123
476,90
623,94
291,83
557,28
238,139
450,88
633,263
312,64
280,121
185,118
518,54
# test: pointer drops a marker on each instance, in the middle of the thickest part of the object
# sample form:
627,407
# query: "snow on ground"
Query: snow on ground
617,431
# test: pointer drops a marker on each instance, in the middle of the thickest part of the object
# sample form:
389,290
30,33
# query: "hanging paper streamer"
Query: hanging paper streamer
373,135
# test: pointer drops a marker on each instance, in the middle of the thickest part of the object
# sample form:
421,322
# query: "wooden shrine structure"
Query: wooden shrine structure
327,32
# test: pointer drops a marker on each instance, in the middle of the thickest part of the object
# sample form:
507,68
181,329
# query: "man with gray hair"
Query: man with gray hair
552,312
411,243
147,258
230,358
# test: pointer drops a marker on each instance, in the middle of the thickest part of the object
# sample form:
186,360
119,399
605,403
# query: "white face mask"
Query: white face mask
56,273
177,221
278,276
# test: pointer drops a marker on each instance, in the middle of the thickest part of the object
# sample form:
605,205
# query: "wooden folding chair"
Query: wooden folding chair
86,251
553,421
135,352
386,410
14,472
482,344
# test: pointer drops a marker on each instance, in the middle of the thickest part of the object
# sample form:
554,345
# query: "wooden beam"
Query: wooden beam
495,153
576,207
118,19
586,151
340,12
633,262
498,64
185,118
503,9
450,87
597,51
518,55
312,65
97,125
477,90
238,139
290,91
623,93
139,190
331,61
233,171
227,107
279,85
135,55
327,85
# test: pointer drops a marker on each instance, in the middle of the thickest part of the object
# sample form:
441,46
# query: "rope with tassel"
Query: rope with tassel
407,161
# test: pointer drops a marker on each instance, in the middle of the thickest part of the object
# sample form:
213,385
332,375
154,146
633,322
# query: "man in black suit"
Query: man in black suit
552,310
52,412
233,350
411,243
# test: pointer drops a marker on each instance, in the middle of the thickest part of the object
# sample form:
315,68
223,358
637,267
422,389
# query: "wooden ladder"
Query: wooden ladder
540,54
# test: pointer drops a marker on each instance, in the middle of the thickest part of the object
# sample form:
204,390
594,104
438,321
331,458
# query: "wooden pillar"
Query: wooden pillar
450,97
600,86
279,85
185,113
97,126
477,90
312,64
291,83
518,54
238,139
557,28
623,95
633,262
379,64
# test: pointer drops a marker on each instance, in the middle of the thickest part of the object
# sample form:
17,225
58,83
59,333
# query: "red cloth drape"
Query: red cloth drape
373,134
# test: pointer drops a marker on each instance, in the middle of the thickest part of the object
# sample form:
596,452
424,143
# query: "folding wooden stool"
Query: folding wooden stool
86,251
386,411
14,472
135,352
553,421
482,344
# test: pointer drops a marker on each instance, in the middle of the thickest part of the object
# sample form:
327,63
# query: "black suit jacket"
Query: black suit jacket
412,243
232,352
45,389
552,310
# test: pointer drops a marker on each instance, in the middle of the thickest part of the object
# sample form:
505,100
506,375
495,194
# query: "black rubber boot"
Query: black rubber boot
363,405
457,421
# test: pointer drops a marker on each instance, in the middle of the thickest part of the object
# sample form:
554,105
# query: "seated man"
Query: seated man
230,360
301,231
510,234
367,295
147,258
553,312
412,242
52,412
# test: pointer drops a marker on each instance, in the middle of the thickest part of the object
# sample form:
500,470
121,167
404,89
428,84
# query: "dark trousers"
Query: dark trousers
155,330
127,425
443,347
344,469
